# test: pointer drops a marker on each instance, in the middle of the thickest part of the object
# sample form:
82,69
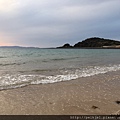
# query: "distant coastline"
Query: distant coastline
26,47
16,47
89,43
94,43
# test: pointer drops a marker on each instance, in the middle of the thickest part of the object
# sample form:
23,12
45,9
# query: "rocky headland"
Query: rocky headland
94,42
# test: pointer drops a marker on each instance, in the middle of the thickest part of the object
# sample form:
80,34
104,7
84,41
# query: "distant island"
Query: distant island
95,42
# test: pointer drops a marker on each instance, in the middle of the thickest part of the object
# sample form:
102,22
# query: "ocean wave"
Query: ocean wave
9,64
2,57
18,80
59,59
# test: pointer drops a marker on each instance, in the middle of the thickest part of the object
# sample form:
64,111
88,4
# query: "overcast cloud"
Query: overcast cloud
51,23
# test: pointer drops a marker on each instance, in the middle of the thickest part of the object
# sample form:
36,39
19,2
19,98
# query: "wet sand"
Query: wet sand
95,95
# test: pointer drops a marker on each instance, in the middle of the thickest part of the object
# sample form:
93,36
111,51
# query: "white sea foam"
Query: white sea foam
19,80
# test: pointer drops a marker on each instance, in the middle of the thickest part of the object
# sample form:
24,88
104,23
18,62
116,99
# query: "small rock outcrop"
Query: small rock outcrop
66,46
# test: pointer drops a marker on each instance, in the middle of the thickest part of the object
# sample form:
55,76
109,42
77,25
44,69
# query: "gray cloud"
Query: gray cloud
46,23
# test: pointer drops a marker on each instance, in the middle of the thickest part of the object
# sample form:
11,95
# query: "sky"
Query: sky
52,23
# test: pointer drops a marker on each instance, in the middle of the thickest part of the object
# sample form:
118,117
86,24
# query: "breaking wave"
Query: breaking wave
18,80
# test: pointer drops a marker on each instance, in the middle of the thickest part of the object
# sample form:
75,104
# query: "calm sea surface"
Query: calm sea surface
25,66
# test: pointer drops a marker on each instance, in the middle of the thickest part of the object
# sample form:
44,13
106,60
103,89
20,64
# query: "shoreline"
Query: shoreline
94,95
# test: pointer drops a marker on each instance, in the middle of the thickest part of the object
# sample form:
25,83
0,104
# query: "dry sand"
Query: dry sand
94,95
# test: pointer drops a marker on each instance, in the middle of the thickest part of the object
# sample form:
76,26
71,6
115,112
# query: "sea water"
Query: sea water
24,66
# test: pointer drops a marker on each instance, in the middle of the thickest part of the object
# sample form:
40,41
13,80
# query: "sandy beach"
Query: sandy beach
94,95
